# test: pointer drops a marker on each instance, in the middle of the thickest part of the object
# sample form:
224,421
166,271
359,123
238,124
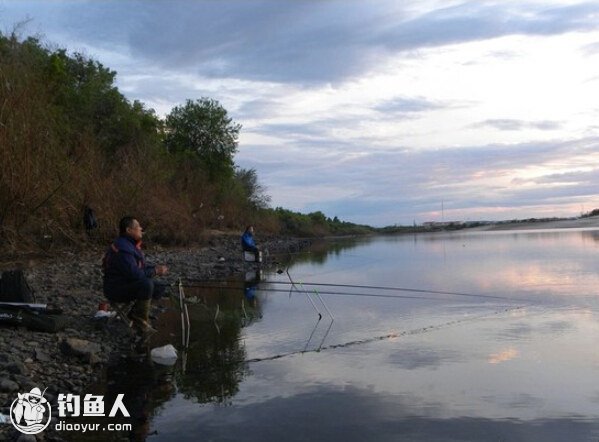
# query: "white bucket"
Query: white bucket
251,256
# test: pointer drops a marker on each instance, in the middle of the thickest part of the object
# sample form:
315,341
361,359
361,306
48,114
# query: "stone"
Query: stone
85,350
42,356
16,368
8,386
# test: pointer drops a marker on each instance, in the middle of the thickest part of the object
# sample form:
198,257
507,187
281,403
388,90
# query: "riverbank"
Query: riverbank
70,360
578,223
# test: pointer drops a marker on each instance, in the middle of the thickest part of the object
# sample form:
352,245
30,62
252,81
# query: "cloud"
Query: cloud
395,186
511,124
405,105
581,177
259,108
471,21
303,41
591,49
349,108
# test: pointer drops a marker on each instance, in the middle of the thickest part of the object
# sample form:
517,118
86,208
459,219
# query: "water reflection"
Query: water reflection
520,366
216,354
321,251
145,392
214,360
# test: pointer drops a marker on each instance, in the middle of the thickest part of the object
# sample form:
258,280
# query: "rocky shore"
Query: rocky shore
70,360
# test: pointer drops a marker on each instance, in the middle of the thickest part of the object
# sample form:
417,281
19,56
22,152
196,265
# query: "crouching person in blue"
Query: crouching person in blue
248,244
127,276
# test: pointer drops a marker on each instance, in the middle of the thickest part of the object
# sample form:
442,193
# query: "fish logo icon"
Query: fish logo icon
30,413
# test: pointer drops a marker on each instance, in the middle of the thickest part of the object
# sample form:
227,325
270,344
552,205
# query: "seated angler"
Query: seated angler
248,244
127,276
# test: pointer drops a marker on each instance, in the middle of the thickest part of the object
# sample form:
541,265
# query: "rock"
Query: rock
20,379
41,356
26,438
86,350
8,386
16,368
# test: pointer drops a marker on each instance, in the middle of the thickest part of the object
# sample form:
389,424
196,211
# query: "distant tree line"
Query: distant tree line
594,212
70,139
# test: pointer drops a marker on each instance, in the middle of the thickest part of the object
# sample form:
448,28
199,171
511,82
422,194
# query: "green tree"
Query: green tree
255,193
204,128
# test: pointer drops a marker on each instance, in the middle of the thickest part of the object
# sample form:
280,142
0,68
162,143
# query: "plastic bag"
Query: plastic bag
166,355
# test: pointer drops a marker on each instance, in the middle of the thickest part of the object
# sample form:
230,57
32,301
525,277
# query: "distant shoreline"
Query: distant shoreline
589,222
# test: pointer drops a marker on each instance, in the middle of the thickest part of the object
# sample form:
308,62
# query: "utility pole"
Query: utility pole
442,211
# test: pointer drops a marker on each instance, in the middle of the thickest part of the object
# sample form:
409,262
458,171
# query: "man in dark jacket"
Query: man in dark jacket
127,276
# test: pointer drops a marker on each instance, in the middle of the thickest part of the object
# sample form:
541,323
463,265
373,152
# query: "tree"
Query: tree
204,128
254,191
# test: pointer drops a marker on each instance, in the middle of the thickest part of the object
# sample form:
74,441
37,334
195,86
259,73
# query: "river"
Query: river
468,336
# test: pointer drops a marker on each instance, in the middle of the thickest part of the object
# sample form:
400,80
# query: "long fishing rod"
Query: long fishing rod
398,289
376,295
373,295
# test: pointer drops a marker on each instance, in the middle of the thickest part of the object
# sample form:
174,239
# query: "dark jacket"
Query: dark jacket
247,241
124,263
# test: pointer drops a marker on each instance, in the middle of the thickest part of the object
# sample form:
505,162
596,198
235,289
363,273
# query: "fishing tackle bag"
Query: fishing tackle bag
14,287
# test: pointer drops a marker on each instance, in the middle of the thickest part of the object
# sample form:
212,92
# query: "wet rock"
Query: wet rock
81,348
8,386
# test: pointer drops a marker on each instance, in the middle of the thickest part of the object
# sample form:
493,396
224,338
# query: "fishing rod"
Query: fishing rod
376,295
185,323
373,295
321,300
398,289
307,294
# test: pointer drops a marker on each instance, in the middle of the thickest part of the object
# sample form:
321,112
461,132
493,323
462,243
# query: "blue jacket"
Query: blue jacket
124,263
247,241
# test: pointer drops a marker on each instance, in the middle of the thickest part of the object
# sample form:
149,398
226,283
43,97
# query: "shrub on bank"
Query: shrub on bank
69,140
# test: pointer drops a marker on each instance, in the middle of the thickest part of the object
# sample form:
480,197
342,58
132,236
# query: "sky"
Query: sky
376,111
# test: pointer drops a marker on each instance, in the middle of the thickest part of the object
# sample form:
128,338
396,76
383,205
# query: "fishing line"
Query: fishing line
417,331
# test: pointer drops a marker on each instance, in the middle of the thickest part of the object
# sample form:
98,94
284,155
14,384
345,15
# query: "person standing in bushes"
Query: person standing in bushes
248,244
127,276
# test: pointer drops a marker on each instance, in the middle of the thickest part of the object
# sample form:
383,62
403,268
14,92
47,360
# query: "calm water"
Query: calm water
513,355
